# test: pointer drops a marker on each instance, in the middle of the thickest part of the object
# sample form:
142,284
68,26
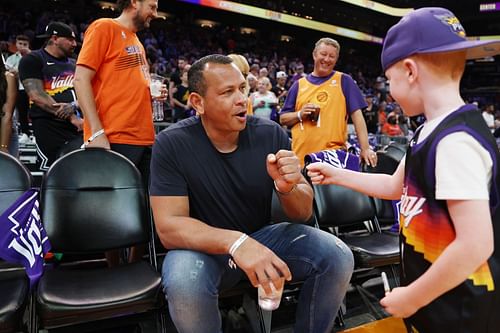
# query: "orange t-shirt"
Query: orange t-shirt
121,82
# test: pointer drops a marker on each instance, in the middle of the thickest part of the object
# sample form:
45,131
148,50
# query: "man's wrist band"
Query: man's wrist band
237,243
284,193
299,115
94,136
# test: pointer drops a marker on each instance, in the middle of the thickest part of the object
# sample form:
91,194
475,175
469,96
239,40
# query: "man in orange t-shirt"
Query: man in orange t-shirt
112,83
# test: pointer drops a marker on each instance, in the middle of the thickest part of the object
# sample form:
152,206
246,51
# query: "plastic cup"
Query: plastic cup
315,115
271,301
156,84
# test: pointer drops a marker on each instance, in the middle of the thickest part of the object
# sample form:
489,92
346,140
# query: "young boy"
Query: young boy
449,182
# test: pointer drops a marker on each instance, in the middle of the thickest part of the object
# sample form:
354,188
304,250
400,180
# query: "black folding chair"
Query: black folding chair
14,290
93,200
351,216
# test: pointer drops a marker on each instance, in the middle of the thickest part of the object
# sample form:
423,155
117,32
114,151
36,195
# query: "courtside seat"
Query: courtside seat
353,212
92,201
14,290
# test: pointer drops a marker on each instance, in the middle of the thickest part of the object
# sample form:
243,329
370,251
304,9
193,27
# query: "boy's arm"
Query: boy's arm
471,248
373,184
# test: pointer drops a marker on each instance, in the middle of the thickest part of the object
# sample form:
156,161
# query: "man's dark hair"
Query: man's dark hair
23,37
121,5
196,80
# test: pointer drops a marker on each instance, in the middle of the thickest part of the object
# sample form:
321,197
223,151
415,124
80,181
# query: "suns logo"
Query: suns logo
453,23
322,96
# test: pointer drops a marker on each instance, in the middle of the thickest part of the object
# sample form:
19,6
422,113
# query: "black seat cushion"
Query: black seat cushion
77,295
14,292
375,250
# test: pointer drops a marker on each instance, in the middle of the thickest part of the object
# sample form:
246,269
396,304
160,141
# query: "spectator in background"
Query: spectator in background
8,92
22,102
175,78
254,70
263,72
298,74
117,103
47,75
370,114
318,105
181,98
489,116
252,83
264,101
391,126
280,89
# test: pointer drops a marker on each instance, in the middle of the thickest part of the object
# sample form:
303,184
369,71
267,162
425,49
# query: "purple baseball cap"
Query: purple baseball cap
431,30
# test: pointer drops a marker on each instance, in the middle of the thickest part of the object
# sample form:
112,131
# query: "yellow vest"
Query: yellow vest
330,131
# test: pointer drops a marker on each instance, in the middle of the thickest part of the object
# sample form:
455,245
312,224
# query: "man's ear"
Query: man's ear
196,101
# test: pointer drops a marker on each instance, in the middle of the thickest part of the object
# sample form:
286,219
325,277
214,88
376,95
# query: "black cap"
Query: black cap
58,29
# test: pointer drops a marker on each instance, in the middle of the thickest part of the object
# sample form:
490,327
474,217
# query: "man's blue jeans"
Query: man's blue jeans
192,280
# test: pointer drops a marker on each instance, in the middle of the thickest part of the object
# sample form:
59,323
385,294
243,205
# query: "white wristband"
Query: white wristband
299,115
93,137
237,243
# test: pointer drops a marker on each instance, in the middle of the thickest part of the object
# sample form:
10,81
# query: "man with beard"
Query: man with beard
112,83
47,75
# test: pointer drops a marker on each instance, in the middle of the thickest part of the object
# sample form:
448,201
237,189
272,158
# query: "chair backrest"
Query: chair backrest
15,179
93,200
389,158
339,206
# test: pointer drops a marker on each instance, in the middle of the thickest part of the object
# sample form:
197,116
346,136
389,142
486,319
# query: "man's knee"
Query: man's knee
336,254
188,275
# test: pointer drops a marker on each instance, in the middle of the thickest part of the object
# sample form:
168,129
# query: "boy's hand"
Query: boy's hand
399,303
322,173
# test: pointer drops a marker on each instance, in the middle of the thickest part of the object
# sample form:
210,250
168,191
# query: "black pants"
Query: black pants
139,155
22,105
51,138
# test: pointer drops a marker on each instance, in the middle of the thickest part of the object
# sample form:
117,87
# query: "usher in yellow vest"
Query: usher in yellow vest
330,131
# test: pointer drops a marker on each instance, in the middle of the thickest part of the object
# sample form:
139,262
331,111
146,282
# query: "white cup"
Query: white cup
271,301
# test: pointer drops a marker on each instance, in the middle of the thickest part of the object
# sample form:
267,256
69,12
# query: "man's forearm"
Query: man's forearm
188,233
44,101
297,204
289,118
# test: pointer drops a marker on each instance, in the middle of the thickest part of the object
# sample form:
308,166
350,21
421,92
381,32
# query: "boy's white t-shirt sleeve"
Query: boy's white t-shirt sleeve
463,168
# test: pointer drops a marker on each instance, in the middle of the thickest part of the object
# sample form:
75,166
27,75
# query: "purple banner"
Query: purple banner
22,237
337,158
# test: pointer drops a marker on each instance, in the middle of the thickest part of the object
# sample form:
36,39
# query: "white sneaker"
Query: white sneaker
24,139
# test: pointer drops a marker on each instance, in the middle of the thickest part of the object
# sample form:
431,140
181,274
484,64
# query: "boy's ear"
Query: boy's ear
196,101
411,69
